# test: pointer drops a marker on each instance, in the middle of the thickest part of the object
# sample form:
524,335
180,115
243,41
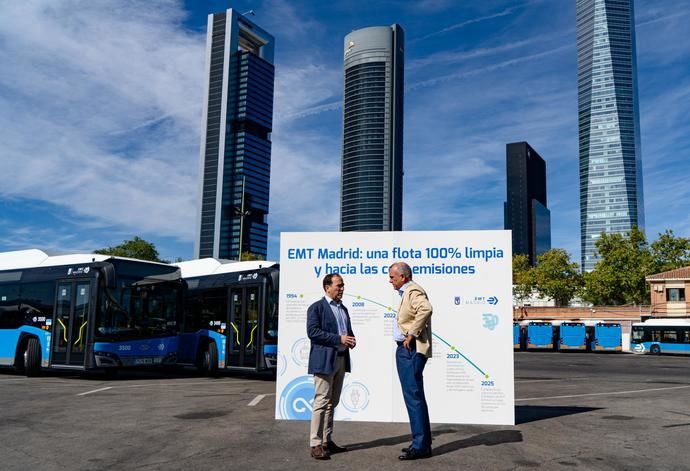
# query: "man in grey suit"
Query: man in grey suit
330,332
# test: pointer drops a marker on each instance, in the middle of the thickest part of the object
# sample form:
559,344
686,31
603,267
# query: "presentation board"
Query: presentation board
467,277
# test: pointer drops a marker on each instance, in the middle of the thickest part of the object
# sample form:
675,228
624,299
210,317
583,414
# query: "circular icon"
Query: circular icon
355,397
300,351
281,364
297,399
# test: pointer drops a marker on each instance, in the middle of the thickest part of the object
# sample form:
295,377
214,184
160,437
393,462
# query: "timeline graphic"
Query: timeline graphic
453,348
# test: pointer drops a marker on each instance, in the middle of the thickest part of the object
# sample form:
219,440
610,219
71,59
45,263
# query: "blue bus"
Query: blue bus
540,335
231,315
87,311
572,336
606,337
658,336
516,336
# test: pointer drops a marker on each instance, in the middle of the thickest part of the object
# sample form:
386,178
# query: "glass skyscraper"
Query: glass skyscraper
371,191
525,211
236,127
611,197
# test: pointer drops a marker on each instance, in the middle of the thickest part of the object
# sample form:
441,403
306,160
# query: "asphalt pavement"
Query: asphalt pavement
574,411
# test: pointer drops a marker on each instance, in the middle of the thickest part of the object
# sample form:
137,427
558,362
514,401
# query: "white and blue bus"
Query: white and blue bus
231,315
87,311
658,336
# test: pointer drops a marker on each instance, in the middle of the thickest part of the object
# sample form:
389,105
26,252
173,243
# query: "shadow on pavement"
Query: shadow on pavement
488,439
526,414
390,441
497,437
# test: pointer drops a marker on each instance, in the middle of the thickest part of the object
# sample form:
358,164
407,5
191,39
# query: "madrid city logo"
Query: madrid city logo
300,351
355,397
490,321
297,399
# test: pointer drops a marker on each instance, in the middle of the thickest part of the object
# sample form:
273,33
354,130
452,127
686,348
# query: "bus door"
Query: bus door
244,334
70,323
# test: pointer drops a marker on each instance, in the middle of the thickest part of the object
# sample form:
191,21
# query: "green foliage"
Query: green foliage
619,276
556,276
670,252
135,248
246,256
523,282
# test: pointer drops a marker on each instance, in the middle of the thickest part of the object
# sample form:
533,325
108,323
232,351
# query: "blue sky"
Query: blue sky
100,112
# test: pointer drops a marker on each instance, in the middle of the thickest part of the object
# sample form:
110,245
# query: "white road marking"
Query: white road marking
258,399
94,391
600,394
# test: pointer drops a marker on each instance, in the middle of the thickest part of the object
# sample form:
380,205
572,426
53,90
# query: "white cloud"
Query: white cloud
101,111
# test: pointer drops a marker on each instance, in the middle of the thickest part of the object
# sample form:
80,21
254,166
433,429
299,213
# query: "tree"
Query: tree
556,276
670,252
523,281
619,276
135,248
246,256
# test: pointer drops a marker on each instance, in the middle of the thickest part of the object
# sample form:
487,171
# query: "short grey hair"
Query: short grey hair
403,269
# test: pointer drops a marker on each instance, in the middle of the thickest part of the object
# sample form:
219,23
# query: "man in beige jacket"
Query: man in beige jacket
412,333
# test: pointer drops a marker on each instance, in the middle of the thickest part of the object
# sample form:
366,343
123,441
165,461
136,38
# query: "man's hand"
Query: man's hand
408,340
349,342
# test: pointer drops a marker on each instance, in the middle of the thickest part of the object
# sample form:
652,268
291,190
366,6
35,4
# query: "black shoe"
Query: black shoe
332,448
319,453
406,449
415,454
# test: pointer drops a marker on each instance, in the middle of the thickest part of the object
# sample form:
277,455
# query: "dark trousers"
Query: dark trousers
410,371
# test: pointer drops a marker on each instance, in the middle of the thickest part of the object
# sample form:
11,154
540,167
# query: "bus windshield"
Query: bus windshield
138,310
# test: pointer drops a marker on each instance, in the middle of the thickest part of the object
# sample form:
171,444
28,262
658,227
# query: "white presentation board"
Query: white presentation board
467,276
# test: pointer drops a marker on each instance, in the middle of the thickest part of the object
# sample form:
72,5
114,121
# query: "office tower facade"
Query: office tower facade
611,196
371,184
525,209
235,139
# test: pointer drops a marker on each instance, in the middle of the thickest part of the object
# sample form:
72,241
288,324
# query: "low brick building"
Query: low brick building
669,293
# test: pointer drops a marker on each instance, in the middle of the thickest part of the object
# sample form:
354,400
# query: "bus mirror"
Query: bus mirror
108,272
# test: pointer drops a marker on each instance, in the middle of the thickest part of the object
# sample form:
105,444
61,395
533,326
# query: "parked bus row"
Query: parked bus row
655,336
571,336
85,312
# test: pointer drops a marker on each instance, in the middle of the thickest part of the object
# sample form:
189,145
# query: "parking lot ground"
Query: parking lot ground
574,411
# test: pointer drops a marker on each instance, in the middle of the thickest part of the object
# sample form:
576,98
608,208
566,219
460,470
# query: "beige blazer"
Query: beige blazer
414,317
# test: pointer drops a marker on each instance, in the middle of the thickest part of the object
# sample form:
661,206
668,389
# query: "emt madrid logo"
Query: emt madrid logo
297,399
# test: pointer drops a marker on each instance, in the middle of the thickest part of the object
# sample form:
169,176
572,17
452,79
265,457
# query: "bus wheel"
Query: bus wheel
654,350
209,359
32,357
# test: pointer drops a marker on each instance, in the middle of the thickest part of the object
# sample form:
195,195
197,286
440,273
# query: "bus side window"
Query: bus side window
10,316
39,299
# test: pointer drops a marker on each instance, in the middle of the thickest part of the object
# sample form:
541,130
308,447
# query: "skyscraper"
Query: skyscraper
525,211
611,197
235,138
371,191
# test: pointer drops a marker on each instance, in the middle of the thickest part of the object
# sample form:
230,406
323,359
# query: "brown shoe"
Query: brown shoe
332,448
319,453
